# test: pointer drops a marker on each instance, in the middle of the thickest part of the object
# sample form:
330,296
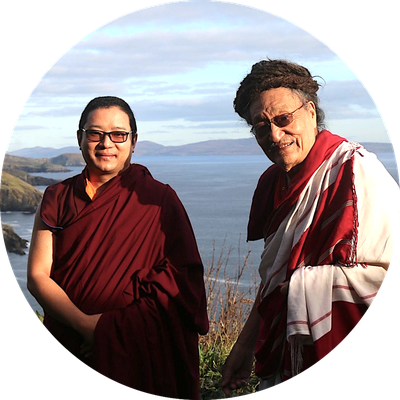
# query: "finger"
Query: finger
240,383
226,376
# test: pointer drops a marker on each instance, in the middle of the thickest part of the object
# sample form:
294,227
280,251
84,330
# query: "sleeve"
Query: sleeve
62,202
49,208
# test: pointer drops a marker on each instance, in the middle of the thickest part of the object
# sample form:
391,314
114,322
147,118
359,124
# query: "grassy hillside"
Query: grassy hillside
31,164
17,195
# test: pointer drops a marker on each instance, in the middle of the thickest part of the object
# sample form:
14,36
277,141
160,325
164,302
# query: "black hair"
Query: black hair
107,102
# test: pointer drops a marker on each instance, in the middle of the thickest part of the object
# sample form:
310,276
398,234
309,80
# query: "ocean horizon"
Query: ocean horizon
216,192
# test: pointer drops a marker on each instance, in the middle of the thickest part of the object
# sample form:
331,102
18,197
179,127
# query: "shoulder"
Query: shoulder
57,199
147,187
140,173
58,189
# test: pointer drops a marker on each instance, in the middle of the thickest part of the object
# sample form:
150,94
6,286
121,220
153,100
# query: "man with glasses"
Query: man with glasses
325,210
115,265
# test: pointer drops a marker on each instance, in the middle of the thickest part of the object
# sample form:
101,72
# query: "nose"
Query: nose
276,133
106,141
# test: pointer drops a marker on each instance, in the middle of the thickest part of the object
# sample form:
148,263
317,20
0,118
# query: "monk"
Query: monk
325,210
114,263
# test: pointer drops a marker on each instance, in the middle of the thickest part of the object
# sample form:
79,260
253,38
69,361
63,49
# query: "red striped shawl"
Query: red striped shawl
315,224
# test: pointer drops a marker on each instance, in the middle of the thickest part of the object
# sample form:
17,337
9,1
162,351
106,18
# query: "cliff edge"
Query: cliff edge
14,244
17,195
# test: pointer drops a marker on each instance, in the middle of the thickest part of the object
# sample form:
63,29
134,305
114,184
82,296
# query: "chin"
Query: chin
104,168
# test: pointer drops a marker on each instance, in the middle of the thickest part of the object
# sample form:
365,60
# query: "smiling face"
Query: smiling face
287,146
106,159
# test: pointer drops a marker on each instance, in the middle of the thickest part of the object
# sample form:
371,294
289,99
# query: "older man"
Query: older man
115,266
325,210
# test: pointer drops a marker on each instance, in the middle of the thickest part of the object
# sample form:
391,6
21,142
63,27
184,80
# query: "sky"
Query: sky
179,65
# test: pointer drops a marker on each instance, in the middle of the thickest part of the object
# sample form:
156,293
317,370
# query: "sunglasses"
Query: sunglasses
282,120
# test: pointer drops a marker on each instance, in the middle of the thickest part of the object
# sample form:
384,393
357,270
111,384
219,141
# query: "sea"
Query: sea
216,192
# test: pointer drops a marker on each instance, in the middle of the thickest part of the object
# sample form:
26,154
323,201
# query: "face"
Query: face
106,159
287,146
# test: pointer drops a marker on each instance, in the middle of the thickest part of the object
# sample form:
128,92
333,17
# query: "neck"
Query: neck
99,180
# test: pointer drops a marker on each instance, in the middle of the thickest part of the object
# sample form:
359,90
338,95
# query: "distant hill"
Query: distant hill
43,152
146,148
68,160
209,147
246,146
31,165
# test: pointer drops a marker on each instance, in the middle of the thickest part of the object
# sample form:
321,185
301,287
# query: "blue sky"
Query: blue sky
179,65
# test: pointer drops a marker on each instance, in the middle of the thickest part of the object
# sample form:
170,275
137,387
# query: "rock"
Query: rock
14,244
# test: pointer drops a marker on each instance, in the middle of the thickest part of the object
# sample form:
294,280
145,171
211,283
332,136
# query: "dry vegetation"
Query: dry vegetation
230,297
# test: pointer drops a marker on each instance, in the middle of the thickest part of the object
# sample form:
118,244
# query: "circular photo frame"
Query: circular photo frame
242,111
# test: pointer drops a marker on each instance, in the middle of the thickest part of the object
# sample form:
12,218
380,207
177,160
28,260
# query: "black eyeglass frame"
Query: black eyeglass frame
109,134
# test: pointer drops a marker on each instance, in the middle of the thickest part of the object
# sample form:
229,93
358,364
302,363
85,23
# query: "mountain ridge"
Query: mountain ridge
246,146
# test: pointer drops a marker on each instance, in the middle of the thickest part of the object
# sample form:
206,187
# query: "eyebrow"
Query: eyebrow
280,110
115,128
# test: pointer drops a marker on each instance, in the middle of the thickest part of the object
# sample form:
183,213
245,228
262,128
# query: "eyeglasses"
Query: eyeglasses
280,121
97,136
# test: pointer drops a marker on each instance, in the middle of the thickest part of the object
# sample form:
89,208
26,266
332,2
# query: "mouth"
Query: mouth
104,156
280,146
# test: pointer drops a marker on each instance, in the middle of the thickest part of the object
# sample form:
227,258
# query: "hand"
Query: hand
237,369
86,329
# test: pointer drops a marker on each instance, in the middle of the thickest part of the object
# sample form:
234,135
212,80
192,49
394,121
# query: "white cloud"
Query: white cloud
347,100
163,42
184,61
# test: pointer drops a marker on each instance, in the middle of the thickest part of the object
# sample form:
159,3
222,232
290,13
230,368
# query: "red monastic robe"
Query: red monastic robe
131,255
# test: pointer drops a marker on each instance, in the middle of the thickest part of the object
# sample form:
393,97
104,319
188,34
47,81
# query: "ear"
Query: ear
313,111
79,137
134,141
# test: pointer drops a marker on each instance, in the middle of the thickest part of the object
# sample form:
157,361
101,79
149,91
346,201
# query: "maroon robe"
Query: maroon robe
131,255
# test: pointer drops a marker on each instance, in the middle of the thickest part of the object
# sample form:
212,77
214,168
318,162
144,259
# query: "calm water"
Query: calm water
216,192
